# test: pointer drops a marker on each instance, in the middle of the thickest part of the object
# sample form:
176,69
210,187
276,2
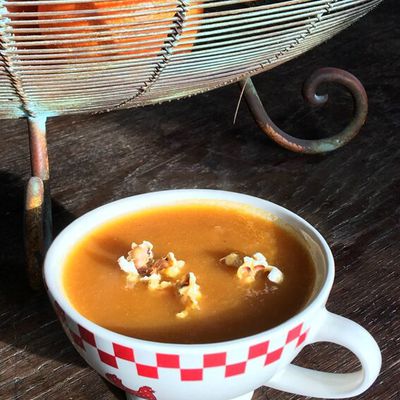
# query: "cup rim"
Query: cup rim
50,277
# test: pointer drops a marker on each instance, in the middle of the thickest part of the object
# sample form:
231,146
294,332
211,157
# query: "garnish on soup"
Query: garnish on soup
165,272
140,266
137,262
173,266
248,267
190,295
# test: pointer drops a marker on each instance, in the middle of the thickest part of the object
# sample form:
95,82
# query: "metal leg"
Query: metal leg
38,219
328,75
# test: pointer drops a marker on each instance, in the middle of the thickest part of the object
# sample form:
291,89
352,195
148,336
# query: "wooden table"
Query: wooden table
351,196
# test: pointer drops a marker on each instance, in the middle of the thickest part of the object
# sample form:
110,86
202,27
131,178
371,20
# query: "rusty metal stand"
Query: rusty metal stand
38,217
323,75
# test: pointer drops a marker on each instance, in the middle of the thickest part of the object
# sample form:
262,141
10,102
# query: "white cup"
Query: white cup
217,371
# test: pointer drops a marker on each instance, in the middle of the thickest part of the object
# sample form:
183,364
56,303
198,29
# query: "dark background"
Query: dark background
351,196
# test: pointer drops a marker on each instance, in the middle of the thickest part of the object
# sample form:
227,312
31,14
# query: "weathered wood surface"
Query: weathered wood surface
351,196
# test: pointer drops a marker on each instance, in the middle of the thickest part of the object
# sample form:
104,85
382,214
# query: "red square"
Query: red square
235,369
302,338
87,336
168,360
108,359
123,352
273,356
147,370
294,333
258,350
191,374
214,360
77,339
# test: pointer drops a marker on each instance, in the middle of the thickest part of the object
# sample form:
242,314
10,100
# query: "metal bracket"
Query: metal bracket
38,218
323,75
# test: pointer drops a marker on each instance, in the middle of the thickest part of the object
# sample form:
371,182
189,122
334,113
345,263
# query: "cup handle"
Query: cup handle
346,333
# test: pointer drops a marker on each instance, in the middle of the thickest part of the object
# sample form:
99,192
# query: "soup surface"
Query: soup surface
199,234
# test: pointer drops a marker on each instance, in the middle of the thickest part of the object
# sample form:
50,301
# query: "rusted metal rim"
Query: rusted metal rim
323,75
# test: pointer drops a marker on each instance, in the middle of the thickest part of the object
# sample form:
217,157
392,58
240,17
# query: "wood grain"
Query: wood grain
351,196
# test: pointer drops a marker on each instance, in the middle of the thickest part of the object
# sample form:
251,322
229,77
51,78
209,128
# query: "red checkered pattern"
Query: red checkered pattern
172,361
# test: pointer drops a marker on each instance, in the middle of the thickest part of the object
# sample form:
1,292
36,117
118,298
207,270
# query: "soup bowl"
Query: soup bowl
224,370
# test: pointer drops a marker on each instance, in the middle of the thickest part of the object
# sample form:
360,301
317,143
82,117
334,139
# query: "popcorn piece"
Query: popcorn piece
127,266
190,291
141,266
154,282
190,295
244,273
160,265
250,266
232,260
141,254
182,314
130,269
259,259
174,266
275,275
131,281
138,260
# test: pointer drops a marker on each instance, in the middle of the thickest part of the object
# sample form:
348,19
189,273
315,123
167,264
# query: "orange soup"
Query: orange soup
201,235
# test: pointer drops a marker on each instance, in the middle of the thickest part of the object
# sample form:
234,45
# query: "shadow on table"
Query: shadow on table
28,321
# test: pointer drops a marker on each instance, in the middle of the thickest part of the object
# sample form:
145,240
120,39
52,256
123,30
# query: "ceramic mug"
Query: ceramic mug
217,371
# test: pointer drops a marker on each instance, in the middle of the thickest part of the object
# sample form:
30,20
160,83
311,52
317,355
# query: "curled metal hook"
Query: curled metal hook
323,75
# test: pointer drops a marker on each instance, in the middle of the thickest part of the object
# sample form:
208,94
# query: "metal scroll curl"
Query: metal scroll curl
323,75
